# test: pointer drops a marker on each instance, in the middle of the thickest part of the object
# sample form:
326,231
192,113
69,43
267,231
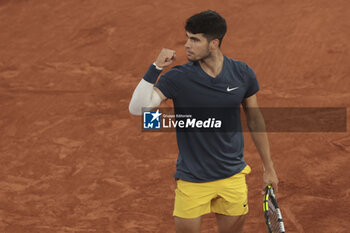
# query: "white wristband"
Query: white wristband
157,67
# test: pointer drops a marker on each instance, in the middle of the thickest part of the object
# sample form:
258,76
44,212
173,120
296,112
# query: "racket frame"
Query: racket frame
271,194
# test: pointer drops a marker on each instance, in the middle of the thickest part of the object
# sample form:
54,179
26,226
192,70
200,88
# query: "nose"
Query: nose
187,44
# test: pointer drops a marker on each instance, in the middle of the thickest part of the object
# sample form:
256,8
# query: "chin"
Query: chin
192,59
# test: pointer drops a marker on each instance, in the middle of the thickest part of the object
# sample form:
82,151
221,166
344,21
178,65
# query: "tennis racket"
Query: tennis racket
272,212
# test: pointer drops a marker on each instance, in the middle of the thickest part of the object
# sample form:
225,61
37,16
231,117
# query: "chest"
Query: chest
201,91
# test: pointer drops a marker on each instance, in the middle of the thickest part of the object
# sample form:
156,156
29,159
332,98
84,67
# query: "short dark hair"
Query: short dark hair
210,23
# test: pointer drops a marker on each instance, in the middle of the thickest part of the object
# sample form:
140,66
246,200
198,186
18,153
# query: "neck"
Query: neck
213,64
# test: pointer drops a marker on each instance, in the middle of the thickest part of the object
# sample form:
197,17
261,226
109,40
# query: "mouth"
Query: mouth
188,53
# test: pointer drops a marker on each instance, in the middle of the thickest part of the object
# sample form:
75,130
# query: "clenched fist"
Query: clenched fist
165,58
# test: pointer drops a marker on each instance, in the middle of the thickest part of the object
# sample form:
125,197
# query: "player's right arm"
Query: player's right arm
146,95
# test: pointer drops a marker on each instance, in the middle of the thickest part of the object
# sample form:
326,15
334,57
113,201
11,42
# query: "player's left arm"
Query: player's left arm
257,128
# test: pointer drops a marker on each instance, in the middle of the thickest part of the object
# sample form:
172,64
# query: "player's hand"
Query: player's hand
270,177
165,58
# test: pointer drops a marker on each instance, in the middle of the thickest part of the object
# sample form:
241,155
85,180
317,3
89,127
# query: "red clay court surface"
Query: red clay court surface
72,158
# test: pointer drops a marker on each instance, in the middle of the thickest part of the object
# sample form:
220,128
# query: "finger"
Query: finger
263,191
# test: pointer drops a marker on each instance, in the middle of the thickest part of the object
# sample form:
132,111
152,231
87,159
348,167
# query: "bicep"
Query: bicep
160,94
250,102
145,96
157,97
251,107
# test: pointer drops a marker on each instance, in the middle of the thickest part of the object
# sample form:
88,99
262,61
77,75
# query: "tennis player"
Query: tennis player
211,170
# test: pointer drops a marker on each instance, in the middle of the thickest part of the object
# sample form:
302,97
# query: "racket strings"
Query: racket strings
275,225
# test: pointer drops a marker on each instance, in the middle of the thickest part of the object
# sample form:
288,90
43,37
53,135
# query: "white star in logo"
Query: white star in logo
155,115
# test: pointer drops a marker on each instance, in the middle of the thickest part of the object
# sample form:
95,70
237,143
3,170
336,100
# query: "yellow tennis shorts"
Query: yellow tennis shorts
227,196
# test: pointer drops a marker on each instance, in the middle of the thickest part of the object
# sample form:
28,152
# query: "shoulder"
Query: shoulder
190,66
240,67
180,70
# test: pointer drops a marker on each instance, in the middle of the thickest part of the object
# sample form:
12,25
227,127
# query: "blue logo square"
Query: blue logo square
151,120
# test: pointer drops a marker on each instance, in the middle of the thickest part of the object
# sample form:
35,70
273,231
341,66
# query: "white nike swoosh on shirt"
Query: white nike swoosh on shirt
231,89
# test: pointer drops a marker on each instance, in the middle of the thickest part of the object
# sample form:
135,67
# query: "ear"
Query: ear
214,44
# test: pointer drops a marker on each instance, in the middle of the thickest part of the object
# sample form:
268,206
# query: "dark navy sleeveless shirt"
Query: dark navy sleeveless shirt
209,156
